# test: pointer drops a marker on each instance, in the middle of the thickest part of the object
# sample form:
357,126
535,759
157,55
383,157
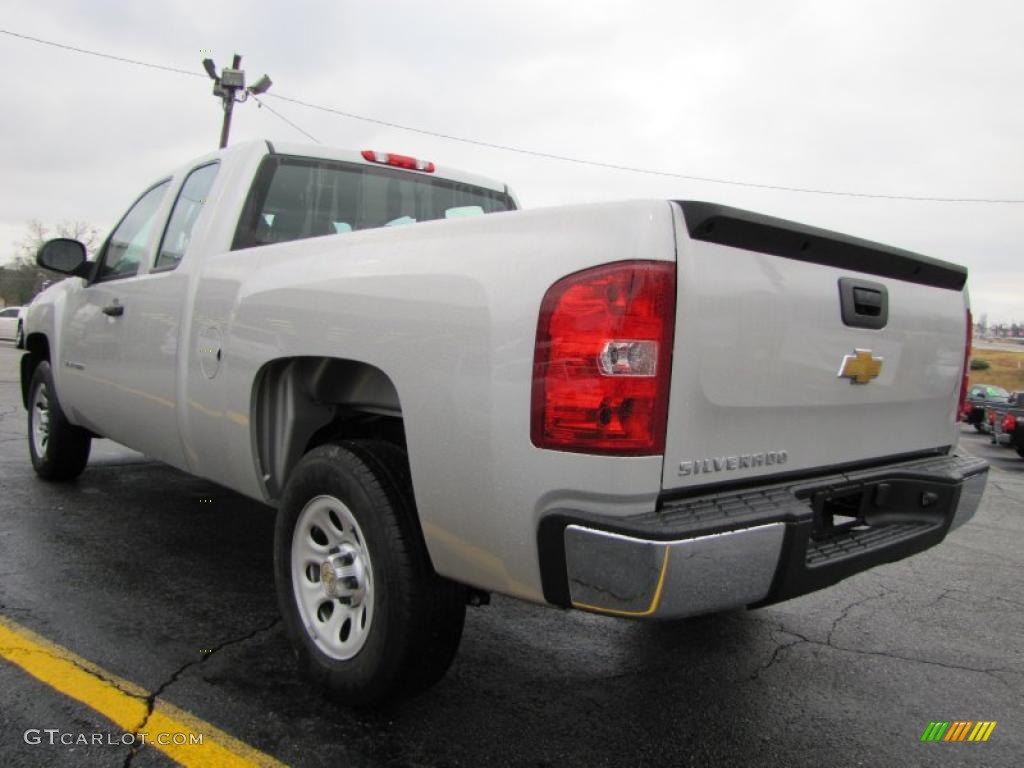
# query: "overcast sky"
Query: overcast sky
900,97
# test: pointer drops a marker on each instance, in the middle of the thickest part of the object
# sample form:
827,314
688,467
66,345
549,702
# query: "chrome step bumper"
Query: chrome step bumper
757,545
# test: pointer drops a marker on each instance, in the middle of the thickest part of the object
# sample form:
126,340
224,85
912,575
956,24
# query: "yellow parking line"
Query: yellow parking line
124,703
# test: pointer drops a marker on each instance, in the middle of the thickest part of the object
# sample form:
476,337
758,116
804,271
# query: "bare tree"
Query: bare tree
22,279
38,233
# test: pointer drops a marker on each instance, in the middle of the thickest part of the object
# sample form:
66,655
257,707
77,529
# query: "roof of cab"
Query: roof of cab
353,156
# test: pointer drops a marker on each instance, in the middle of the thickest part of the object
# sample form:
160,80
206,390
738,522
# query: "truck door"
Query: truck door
90,355
136,403
152,350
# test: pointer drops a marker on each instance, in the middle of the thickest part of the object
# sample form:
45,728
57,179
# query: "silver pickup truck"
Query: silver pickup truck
642,409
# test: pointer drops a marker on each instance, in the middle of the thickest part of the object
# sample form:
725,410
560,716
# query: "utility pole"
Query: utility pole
226,87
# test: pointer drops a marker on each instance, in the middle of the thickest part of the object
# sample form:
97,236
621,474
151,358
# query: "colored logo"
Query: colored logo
860,367
958,730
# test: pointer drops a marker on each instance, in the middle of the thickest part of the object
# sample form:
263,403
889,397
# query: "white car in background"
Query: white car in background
12,324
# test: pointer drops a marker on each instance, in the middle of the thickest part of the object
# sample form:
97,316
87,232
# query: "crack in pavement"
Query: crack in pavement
973,598
176,675
828,642
988,671
940,598
776,656
846,612
773,659
992,672
998,487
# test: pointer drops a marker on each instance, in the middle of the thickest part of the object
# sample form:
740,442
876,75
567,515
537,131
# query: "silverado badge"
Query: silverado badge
860,367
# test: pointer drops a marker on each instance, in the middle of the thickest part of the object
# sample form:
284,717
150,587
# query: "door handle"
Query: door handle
114,310
863,304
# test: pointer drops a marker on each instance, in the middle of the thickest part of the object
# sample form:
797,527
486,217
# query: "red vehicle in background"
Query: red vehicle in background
1005,422
979,398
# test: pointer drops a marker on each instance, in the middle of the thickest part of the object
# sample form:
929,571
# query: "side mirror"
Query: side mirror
63,255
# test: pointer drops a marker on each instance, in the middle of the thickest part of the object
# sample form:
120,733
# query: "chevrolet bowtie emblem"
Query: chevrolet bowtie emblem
860,367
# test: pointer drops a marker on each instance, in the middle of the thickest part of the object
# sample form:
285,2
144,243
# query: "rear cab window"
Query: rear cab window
191,200
293,198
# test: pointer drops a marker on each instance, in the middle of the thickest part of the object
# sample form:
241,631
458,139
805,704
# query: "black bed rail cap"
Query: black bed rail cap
765,234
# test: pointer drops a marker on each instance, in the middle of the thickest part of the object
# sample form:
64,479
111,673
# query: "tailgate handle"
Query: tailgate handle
863,303
867,302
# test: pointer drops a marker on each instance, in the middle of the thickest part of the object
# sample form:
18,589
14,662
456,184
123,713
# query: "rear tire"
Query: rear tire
367,615
1019,447
58,448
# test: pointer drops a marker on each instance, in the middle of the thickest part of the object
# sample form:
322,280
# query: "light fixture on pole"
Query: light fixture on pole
227,87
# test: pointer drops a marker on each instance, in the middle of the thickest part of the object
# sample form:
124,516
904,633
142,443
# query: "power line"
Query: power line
273,111
632,169
530,152
147,65
101,55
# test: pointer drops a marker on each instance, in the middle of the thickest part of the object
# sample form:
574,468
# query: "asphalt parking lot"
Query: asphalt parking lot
165,581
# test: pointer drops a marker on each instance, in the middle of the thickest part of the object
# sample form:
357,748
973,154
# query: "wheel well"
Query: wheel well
302,402
37,349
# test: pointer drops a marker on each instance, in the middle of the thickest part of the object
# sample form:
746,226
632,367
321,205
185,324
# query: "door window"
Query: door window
186,211
126,248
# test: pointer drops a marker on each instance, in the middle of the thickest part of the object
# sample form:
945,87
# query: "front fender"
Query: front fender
41,324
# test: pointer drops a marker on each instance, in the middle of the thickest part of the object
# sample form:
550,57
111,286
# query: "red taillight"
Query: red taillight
962,410
603,360
1009,423
399,161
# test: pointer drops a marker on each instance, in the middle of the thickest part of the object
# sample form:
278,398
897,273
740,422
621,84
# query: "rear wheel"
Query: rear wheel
368,616
58,448
1019,447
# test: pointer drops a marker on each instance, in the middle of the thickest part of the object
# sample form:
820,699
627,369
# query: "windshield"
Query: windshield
294,198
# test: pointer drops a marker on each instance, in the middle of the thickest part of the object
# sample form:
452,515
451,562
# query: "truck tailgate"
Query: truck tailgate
761,340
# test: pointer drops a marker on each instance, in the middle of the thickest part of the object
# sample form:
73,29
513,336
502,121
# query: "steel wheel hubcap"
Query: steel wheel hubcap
41,420
332,577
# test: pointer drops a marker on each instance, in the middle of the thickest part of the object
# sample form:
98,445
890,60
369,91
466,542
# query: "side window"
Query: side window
126,247
9,313
186,211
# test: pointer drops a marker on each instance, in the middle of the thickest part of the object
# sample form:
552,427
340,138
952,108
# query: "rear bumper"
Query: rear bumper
756,545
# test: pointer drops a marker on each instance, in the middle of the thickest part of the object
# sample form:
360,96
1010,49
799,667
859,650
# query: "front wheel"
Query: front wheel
58,448
368,616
